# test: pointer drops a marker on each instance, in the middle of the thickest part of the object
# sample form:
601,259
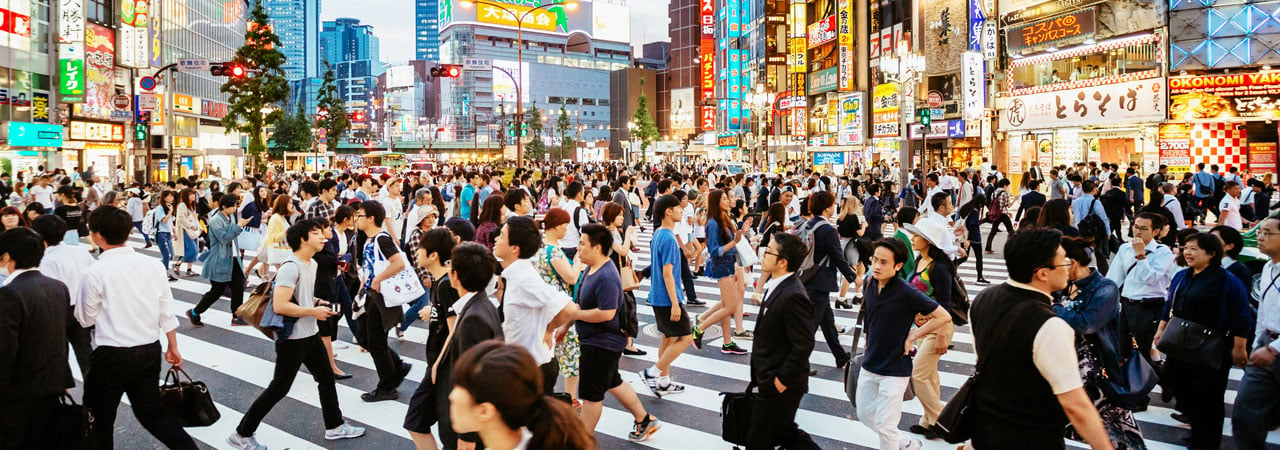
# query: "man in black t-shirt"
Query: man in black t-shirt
436,247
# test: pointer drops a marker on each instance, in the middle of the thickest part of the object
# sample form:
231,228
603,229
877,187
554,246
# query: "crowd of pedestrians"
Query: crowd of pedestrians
525,281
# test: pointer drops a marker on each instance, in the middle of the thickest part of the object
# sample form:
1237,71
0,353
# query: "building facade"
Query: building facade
426,14
625,88
351,49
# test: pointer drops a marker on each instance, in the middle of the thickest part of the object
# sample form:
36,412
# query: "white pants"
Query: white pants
880,405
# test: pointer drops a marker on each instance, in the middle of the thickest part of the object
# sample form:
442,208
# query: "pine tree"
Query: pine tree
334,121
264,88
563,125
646,130
535,149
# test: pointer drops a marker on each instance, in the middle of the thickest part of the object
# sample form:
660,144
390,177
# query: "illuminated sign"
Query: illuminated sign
822,31
727,141
850,109
973,85
542,19
610,22
844,48
71,72
132,35
1134,101
707,77
22,134
185,103
823,81
1074,25
96,131
885,101
1244,95
799,123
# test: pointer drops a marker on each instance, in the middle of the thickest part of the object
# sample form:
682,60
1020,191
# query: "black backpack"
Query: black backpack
1092,225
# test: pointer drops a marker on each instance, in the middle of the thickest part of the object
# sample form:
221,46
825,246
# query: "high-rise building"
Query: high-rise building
351,50
678,105
427,30
297,23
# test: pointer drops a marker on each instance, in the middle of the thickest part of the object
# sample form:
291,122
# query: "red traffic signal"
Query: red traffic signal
446,71
228,69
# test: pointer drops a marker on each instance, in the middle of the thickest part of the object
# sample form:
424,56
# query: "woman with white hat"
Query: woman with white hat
933,275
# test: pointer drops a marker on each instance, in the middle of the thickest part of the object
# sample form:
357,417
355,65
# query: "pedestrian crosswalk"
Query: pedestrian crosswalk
237,363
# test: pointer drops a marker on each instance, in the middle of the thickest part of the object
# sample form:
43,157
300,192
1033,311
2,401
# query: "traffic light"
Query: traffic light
446,71
228,69
140,127
924,117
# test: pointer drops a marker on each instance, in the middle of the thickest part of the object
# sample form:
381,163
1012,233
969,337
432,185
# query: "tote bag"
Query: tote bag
401,288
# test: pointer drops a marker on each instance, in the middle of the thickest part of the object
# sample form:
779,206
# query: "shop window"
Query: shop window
555,100
1067,67
98,11
588,102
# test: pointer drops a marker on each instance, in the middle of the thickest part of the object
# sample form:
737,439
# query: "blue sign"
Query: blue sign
976,22
828,158
955,129
23,134
147,83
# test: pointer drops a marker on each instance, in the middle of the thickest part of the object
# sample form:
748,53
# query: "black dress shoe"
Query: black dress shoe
695,302
636,352
379,396
1181,418
345,376
928,433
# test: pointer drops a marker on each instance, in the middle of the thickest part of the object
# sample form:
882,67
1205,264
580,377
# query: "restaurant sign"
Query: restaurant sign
1236,95
1133,101
1079,24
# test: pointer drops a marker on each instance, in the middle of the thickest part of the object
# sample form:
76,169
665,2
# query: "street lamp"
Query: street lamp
760,103
631,136
520,18
904,70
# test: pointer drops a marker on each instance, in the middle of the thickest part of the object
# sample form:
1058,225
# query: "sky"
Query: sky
392,22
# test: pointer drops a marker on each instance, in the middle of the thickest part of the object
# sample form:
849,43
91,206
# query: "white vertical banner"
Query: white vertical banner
70,21
990,39
973,85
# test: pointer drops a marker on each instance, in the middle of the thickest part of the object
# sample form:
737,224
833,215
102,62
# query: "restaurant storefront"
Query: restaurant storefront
1223,119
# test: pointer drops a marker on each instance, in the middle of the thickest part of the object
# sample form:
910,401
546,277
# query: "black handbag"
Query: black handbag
73,424
1127,384
736,410
956,419
1193,342
189,400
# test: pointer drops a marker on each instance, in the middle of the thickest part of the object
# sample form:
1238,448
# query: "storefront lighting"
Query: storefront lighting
1051,49
1266,67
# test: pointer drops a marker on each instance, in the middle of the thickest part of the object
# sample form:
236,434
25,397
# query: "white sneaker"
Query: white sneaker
909,444
345,431
244,443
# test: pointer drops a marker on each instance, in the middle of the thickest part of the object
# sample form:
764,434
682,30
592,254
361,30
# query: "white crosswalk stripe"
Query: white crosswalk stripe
237,363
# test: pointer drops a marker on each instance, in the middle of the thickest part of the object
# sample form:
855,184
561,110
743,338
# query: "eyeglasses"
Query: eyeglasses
1268,233
1055,266
773,254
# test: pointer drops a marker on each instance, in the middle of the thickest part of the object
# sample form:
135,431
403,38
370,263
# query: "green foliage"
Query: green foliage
293,134
535,149
646,129
563,126
264,88
336,122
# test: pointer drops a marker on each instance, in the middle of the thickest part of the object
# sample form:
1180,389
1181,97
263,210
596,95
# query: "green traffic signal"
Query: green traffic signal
924,117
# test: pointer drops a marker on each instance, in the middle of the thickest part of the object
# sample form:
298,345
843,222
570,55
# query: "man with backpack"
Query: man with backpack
1203,187
818,271
578,216
1091,219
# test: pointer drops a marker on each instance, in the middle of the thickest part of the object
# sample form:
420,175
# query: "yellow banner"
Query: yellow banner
538,20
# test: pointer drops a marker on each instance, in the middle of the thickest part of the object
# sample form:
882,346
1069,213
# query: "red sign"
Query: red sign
707,55
822,31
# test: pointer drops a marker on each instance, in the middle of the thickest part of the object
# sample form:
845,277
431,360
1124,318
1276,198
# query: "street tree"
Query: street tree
536,148
292,134
646,130
333,111
563,127
255,99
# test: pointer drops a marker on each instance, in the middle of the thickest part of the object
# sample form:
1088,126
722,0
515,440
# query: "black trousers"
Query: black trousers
1199,392
292,354
773,421
80,339
550,373
115,371
995,228
1138,322
28,423
216,288
373,337
825,320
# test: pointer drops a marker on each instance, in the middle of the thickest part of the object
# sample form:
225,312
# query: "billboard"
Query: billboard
22,134
510,13
850,108
1078,24
610,22
822,31
133,40
707,53
884,110
1235,95
99,73
504,89
1133,101
844,48
683,110
402,76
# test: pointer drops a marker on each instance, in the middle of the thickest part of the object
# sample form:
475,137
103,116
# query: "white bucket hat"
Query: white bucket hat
931,231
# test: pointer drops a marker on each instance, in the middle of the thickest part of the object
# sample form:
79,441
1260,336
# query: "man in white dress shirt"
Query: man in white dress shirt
1258,400
65,263
126,295
1143,268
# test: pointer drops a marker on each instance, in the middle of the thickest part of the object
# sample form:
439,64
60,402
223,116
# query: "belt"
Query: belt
1143,300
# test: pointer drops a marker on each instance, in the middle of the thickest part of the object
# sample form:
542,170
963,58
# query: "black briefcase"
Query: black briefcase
189,400
74,425
736,413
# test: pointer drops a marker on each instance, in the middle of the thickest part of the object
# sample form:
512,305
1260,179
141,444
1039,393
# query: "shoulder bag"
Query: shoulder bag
401,288
956,419
189,400
854,367
72,425
736,412
1193,342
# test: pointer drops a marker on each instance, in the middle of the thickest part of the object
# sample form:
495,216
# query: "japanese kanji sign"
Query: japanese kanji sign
973,85
1133,101
1074,25
1250,95
71,21
71,72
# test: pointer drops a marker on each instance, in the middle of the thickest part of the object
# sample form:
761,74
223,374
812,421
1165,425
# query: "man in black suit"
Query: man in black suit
34,314
1030,199
828,258
1034,172
784,340
477,321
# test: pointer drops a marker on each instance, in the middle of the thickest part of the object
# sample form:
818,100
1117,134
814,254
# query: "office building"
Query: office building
352,50
427,30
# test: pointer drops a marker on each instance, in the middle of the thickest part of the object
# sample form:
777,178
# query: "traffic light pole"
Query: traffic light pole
166,118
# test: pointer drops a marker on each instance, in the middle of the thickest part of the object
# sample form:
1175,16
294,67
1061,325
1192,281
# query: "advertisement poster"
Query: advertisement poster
1174,141
1044,149
850,106
1133,101
884,109
822,31
844,31
99,72
40,107
1262,158
71,72
1236,95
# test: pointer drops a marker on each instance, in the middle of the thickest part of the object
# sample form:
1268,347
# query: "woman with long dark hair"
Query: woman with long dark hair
188,221
161,218
1056,214
497,393
1090,304
253,210
438,200
490,219
722,267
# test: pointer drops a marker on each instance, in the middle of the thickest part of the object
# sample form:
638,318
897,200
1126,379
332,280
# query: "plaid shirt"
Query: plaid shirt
411,247
320,209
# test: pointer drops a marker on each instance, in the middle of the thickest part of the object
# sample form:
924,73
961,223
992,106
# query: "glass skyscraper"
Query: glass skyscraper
427,30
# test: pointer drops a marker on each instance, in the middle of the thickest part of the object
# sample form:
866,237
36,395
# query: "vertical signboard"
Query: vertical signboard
1174,140
976,24
850,107
798,62
99,73
153,37
71,22
844,44
974,86
1262,158
707,17
71,72
132,40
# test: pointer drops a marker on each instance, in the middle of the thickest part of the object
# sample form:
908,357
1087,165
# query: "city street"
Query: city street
236,363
